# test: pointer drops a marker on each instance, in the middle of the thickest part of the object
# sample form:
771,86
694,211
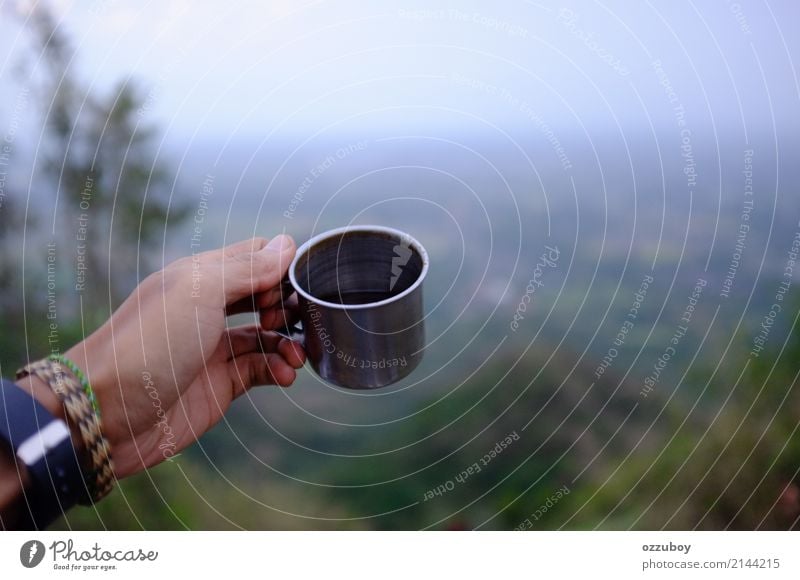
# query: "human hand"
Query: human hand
165,367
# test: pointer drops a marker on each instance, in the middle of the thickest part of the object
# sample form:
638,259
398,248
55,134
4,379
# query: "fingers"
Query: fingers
265,300
252,272
258,357
250,370
251,245
260,301
277,318
248,339
292,353
249,272
271,368
252,339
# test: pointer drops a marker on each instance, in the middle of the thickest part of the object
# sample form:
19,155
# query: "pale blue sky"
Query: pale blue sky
253,67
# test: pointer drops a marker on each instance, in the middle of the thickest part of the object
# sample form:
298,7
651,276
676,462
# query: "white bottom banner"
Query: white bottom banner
355,555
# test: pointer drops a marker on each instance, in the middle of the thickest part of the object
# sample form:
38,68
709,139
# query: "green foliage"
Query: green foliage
728,459
724,457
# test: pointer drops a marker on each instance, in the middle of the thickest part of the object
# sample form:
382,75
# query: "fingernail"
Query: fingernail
280,243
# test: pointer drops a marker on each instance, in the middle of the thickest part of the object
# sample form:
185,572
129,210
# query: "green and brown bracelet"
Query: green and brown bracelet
70,384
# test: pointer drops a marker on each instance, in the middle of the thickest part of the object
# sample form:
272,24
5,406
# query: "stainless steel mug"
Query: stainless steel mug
359,292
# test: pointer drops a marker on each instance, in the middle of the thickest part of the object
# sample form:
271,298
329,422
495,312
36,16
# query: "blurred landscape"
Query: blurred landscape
649,382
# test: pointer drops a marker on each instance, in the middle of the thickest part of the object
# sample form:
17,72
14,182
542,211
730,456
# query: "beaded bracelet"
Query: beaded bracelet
70,384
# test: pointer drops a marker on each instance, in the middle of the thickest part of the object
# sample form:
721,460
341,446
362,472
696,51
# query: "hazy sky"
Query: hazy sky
220,68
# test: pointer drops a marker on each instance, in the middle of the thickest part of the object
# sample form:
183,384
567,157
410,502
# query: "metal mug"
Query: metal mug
359,292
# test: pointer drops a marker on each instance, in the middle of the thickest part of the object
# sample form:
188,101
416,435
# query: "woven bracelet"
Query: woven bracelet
80,403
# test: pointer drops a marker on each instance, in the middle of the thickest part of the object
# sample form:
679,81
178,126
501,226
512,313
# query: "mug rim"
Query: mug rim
303,249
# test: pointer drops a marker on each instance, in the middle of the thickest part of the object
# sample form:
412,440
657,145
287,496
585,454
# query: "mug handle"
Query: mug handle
292,332
289,331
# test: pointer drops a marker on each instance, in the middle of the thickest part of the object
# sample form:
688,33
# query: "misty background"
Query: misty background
651,147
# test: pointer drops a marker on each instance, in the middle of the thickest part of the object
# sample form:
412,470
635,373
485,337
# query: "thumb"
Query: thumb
250,273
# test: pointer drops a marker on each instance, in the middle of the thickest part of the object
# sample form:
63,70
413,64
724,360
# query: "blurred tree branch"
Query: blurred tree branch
114,193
